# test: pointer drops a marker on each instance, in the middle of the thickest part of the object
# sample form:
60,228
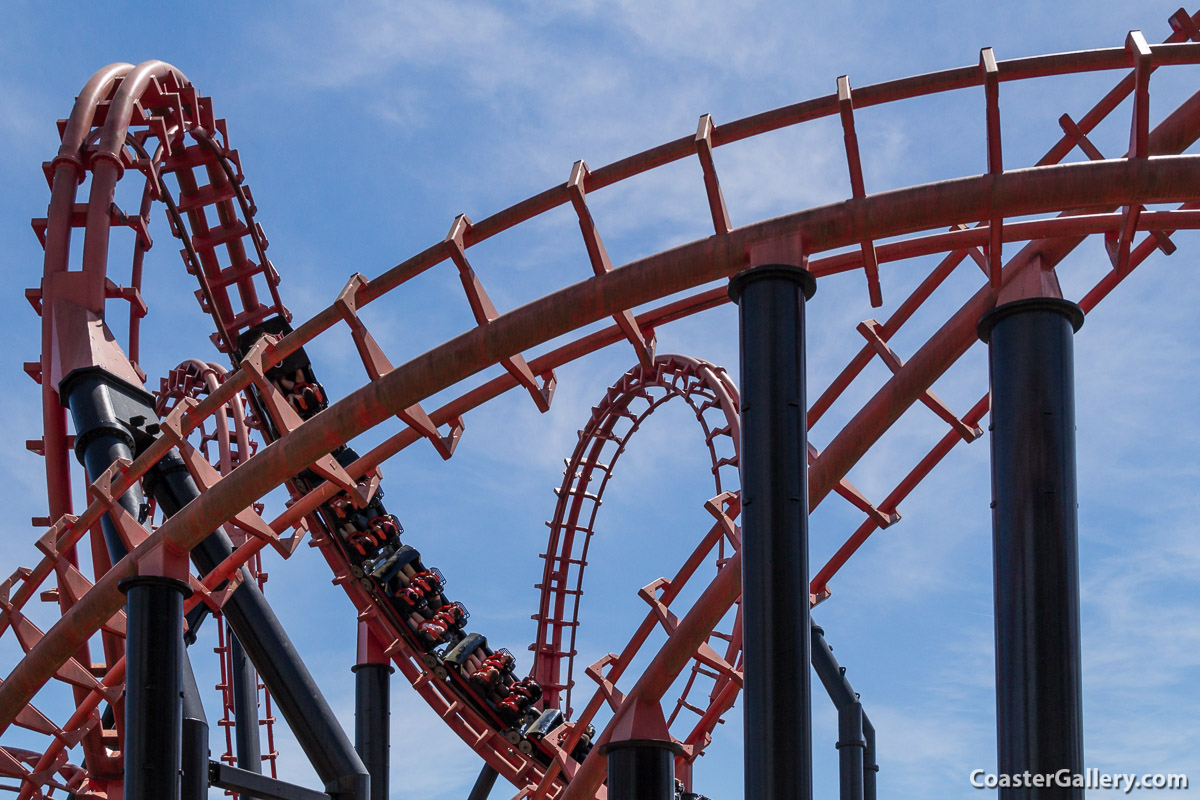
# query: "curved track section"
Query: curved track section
713,399
225,444
150,120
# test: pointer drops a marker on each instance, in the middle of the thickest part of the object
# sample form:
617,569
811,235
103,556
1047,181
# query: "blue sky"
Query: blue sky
364,128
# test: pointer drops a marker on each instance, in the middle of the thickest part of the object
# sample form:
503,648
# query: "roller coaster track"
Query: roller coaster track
225,446
149,120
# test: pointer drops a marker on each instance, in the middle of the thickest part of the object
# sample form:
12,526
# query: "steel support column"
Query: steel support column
111,418
154,682
870,767
856,735
484,783
114,419
641,769
373,710
1039,715
774,472
193,775
245,707
296,694
851,744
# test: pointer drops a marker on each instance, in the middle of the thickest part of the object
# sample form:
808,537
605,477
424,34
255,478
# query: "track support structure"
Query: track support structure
641,769
260,787
1039,706
113,419
484,783
774,470
856,734
193,772
269,648
373,710
154,683
245,707
180,144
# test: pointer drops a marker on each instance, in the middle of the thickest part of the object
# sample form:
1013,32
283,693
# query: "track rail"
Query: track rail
707,389
713,399
150,119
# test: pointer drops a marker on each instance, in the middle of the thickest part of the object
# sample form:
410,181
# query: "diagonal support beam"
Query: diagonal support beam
378,365
1139,136
1079,138
995,159
206,476
856,498
870,329
712,186
857,187
485,312
643,343
287,420
1118,244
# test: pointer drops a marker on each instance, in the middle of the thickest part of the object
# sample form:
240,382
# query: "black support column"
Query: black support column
1039,714
245,706
484,783
870,768
851,744
154,681
264,640
112,419
373,710
856,736
641,769
774,472
193,774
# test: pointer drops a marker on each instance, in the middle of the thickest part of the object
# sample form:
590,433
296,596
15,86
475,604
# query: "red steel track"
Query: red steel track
713,398
149,121
226,446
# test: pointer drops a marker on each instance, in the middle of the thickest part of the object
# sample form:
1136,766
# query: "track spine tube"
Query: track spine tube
153,687
1039,704
774,470
284,673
